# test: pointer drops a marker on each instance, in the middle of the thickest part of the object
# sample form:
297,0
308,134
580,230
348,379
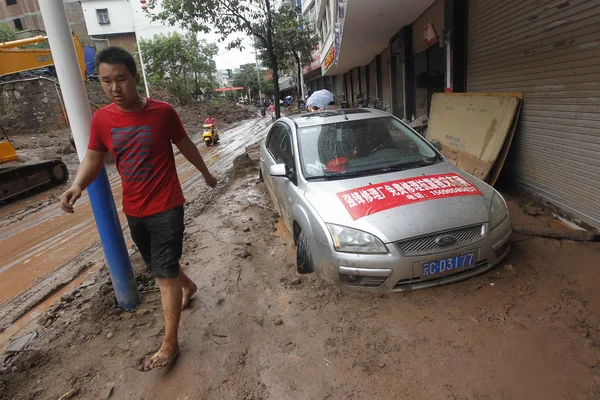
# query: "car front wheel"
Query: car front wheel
304,259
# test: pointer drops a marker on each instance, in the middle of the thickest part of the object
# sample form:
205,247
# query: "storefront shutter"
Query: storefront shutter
549,50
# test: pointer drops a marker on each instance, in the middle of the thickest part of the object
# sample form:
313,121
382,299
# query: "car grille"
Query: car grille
426,244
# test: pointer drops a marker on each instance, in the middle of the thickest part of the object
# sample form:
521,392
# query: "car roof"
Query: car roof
332,116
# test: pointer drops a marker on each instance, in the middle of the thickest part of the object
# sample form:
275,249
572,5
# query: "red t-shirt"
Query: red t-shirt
140,142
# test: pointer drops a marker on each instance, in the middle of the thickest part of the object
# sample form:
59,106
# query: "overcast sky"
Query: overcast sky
146,29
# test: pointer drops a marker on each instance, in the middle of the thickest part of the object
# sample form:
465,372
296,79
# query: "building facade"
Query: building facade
110,23
224,77
404,51
25,17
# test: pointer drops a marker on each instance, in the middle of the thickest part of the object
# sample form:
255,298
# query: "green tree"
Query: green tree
249,78
180,63
7,33
253,18
295,38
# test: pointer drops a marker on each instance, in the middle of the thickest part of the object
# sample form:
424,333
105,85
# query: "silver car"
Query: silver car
372,204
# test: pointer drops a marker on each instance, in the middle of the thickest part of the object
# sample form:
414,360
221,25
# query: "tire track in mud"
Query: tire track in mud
43,249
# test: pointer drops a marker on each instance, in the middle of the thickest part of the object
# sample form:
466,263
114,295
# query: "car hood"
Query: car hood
403,221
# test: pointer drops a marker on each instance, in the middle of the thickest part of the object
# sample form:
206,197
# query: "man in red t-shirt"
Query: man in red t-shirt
139,133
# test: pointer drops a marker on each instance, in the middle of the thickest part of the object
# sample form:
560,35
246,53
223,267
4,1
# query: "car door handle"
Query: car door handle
262,159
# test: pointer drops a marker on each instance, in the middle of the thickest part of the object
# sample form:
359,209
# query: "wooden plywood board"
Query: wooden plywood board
475,129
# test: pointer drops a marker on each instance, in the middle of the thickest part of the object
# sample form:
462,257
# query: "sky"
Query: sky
146,29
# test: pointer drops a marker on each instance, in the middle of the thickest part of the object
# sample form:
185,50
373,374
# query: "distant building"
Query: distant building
224,77
25,17
110,23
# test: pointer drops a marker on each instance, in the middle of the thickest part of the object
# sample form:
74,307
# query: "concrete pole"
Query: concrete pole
137,42
258,78
142,65
302,80
257,72
448,66
80,117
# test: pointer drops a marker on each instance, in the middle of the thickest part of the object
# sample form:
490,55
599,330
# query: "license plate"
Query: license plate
448,265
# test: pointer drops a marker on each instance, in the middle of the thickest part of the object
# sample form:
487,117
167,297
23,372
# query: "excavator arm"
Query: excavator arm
18,180
15,59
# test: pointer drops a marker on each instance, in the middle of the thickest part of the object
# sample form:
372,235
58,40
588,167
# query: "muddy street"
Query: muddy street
42,248
528,329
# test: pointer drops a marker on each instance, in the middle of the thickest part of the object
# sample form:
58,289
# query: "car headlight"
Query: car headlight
348,240
498,210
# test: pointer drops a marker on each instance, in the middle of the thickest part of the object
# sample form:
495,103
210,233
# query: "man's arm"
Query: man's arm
86,173
191,153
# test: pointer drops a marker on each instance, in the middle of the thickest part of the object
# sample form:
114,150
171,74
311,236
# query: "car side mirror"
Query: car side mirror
278,170
437,144
387,107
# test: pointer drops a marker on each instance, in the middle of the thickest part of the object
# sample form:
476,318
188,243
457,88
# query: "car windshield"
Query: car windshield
354,148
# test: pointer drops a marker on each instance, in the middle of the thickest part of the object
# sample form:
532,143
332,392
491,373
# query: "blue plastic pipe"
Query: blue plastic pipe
113,242
80,117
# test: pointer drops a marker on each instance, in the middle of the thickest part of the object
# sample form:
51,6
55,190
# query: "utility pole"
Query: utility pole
80,117
300,69
137,42
257,73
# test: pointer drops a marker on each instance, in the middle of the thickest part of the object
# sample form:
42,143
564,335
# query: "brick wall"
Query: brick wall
23,7
28,11
77,22
126,40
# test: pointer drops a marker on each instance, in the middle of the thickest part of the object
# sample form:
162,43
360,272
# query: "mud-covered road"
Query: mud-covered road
42,248
528,329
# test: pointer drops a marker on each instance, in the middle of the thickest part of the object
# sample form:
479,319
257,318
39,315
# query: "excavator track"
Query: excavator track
21,181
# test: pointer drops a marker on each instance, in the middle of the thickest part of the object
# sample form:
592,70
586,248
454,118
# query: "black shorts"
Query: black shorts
160,240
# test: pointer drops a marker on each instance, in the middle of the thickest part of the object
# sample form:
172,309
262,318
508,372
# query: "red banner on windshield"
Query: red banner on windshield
368,200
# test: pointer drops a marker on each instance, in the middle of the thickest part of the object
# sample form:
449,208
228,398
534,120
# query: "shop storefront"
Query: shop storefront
550,51
429,60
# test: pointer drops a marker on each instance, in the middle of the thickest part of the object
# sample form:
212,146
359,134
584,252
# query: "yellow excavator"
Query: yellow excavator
18,180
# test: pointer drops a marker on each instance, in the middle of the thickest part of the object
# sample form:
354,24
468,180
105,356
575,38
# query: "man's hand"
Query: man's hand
210,180
86,173
68,199
191,153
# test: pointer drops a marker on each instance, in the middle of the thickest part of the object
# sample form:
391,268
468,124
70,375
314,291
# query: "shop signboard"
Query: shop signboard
329,59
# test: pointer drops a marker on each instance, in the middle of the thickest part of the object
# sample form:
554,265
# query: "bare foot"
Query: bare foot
188,292
164,357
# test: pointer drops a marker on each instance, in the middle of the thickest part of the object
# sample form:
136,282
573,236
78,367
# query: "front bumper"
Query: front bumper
394,272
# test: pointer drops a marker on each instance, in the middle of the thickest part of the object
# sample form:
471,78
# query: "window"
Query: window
311,14
18,24
280,145
341,9
325,23
102,14
286,154
11,2
274,140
